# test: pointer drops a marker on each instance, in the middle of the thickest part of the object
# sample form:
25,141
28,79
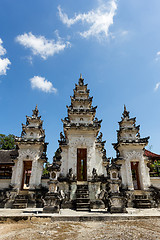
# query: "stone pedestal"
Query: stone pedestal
52,203
116,204
52,198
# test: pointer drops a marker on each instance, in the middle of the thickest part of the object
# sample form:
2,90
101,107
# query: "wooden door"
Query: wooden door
135,175
81,164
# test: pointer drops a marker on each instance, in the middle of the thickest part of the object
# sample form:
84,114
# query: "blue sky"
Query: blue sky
45,45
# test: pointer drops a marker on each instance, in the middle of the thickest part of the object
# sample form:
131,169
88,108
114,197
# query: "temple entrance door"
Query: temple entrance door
27,167
81,164
135,175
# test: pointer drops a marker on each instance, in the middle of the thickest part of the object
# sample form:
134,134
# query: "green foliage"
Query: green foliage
45,171
7,142
155,167
157,163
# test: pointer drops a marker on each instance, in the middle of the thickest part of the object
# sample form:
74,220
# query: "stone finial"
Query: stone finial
35,112
81,80
125,112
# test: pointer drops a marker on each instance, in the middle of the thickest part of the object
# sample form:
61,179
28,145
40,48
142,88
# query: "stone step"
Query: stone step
142,200
83,199
21,197
82,191
141,197
82,187
142,203
21,201
141,192
19,206
23,192
143,206
83,196
83,209
85,202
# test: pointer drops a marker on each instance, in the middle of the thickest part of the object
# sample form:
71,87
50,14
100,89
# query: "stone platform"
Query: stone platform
71,215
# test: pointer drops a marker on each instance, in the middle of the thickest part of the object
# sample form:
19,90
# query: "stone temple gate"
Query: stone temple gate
82,148
80,177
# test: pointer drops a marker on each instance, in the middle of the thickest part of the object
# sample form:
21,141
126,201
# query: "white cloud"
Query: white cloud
124,33
4,65
99,20
39,45
157,86
41,83
2,49
157,56
4,62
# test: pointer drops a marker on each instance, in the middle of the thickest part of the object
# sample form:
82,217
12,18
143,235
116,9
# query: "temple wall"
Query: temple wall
134,155
64,166
37,168
81,141
155,181
28,153
44,182
99,163
69,190
69,155
4,183
94,190
123,174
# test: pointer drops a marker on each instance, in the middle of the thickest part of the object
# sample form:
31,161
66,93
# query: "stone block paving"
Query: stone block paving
33,224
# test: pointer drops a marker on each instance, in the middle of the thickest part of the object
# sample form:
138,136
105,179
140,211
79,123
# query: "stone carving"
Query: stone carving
133,155
99,138
62,138
94,174
125,112
52,203
32,148
35,112
70,175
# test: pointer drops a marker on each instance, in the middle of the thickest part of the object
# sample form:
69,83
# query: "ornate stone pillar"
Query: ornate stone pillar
129,175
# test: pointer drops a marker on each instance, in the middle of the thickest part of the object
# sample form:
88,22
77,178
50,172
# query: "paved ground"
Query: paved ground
45,229
37,212
47,226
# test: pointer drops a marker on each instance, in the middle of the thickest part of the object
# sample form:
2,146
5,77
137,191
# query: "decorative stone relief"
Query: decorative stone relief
133,155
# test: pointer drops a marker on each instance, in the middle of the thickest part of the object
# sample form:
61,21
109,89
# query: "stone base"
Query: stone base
97,204
51,209
118,210
68,204
52,203
117,204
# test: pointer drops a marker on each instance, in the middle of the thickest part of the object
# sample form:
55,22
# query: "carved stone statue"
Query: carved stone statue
70,175
62,137
94,174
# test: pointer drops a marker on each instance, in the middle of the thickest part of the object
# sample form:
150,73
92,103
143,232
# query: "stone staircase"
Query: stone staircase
142,200
21,200
82,198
